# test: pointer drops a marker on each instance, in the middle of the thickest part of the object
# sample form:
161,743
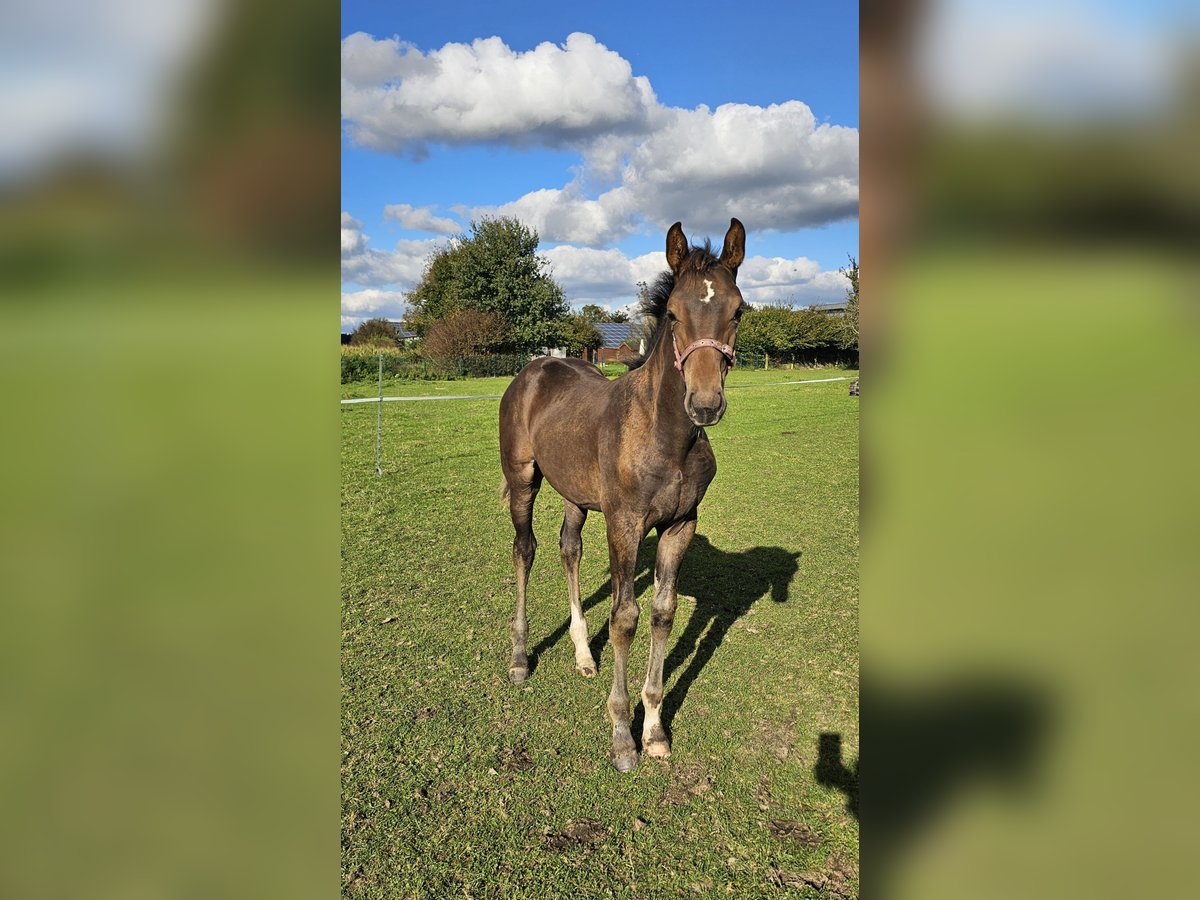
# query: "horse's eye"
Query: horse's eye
670,316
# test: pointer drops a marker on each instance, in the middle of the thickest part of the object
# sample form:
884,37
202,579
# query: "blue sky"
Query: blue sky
600,127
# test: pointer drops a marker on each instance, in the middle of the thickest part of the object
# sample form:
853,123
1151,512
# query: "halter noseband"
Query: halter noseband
680,358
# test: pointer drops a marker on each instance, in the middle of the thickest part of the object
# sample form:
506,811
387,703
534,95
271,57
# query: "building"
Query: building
616,335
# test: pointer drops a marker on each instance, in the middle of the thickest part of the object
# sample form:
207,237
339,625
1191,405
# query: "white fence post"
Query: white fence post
379,421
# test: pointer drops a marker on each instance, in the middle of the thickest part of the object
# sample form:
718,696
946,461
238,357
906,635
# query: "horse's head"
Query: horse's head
702,314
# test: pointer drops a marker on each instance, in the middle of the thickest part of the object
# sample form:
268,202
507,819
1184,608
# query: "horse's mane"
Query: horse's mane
653,308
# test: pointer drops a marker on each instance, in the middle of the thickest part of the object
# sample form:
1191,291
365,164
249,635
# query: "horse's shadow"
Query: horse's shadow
725,586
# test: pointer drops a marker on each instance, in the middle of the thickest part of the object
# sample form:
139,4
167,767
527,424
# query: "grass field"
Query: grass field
455,783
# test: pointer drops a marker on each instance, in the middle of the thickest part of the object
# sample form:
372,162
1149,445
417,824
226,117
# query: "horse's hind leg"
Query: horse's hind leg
570,542
672,544
523,486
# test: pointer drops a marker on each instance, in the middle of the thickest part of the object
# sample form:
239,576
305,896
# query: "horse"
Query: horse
634,449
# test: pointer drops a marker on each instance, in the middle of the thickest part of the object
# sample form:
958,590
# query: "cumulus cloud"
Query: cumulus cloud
603,277
609,278
772,167
420,218
566,215
645,165
797,282
372,303
353,240
370,267
397,99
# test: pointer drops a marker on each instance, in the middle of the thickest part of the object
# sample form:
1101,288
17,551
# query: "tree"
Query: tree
596,314
813,328
375,333
464,332
495,269
849,337
580,333
783,331
767,329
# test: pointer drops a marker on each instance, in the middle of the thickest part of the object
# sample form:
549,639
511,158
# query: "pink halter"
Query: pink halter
680,358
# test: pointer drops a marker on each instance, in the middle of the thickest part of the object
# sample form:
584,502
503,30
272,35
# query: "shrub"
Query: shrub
375,333
362,364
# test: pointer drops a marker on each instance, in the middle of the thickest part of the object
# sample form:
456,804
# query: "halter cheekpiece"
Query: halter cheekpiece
680,358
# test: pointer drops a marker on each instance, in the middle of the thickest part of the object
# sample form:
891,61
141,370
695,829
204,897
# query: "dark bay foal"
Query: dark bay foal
634,449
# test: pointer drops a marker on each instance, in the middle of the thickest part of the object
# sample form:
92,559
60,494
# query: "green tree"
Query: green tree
594,313
849,323
580,333
783,331
767,329
495,269
375,333
813,328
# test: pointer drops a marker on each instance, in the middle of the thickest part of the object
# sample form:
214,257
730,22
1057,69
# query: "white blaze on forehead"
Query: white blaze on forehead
710,294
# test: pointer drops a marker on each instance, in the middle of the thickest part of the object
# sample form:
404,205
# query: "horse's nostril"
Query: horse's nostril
707,412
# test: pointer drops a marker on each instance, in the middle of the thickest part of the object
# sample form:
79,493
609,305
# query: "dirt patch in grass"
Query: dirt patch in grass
837,879
687,782
514,759
576,833
762,792
787,830
777,737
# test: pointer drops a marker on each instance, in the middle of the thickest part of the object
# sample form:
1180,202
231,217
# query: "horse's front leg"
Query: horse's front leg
672,545
623,540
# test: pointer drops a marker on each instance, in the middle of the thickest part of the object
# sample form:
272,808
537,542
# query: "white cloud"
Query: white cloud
396,99
772,167
353,240
603,277
366,266
420,218
644,165
798,282
609,278
372,303
566,215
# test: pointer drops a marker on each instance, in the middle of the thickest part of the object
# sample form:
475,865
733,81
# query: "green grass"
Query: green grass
455,783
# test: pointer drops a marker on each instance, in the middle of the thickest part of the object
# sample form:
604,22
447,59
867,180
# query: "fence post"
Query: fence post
379,421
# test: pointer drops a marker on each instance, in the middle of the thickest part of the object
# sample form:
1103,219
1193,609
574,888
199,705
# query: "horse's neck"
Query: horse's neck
661,391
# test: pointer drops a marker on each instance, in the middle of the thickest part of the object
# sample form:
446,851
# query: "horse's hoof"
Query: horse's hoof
516,676
625,762
587,671
658,749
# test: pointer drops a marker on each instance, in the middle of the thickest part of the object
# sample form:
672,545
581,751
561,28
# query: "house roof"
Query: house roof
615,333
401,332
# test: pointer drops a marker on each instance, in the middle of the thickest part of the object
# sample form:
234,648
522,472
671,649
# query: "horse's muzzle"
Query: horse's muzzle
705,410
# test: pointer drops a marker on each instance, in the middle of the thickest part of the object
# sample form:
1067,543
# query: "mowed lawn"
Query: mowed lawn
456,783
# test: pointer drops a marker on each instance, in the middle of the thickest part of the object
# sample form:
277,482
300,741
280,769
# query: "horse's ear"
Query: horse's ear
734,250
677,247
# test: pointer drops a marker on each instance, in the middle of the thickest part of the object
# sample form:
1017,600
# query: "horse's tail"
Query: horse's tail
503,492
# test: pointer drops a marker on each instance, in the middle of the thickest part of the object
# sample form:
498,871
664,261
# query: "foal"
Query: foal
634,449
